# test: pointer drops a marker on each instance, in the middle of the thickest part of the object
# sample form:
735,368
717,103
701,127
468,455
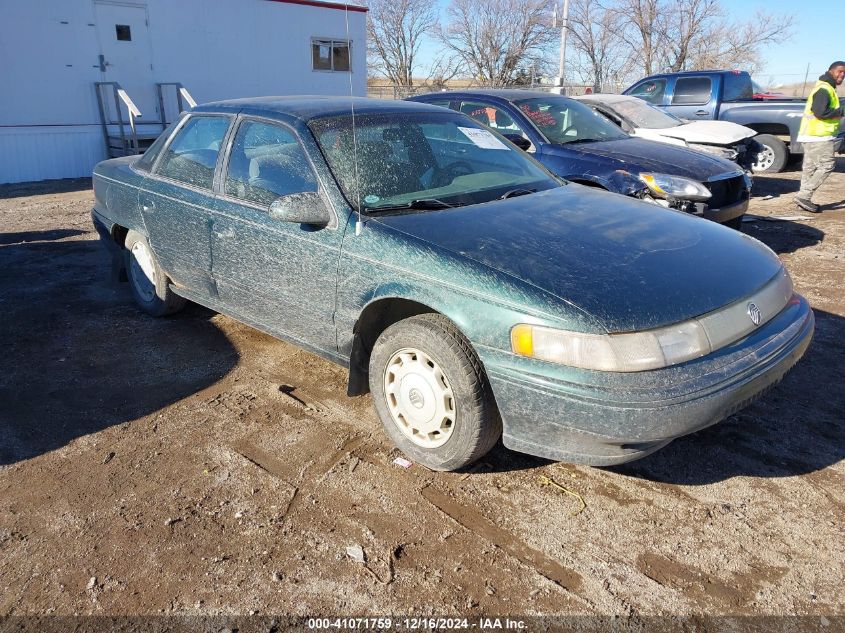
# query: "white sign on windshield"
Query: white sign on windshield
483,138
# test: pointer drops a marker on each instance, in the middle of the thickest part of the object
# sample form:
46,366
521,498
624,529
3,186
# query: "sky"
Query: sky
817,40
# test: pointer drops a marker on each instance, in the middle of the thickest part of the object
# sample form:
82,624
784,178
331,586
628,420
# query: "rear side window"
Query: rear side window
192,155
692,91
267,163
147,161
651,90
737,87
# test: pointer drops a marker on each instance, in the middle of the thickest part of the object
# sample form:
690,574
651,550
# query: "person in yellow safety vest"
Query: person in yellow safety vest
817,133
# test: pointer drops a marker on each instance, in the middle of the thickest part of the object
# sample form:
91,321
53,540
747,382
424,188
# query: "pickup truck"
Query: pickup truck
728,95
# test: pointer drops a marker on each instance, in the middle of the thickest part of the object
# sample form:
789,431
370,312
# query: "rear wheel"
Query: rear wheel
431,394
149,283
771,154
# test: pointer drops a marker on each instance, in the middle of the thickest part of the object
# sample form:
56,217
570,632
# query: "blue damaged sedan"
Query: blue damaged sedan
581,145
475,295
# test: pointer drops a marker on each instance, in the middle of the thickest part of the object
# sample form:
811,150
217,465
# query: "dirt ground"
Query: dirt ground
192,465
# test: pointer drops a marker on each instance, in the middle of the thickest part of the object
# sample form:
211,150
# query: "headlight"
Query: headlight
661,347
666,186
636,351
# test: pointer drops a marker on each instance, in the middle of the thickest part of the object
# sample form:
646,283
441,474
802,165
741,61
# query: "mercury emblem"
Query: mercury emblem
754,314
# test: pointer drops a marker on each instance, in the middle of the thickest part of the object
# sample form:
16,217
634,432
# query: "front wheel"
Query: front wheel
149,283
431,393
772,154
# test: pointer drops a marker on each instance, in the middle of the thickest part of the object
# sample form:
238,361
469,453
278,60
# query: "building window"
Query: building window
330,55
124,33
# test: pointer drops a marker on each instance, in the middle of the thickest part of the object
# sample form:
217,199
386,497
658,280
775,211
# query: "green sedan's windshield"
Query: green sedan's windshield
563,120
423,160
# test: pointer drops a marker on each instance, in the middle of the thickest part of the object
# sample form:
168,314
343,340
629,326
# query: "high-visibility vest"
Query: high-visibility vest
812,125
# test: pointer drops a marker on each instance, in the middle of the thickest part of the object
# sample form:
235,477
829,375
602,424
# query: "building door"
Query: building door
126,55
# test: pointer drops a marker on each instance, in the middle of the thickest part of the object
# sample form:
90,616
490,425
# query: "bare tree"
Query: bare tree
444,68
495,38
600,53
674,35
395,29
739,45
641,25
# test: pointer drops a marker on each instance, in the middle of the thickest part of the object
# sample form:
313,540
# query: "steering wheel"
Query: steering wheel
446,175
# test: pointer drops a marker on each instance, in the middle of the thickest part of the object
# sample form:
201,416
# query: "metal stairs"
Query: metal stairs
125,135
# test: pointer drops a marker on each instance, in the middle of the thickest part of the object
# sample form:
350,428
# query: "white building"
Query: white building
52,52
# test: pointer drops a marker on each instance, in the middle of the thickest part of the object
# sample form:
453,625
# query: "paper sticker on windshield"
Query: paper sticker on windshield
483,138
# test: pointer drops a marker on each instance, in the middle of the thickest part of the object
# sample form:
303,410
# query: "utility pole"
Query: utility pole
563,29
806,76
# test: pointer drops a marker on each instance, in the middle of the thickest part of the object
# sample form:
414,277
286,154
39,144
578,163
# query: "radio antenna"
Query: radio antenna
358,224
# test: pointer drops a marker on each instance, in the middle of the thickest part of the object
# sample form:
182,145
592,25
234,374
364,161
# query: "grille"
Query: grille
725,192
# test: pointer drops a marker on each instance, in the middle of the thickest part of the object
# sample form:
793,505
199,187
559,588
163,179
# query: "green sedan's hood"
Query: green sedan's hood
630,264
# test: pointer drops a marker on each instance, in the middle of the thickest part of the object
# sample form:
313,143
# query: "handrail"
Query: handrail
182,97
120,95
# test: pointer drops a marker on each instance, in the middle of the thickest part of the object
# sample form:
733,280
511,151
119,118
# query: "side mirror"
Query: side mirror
520,141
307,207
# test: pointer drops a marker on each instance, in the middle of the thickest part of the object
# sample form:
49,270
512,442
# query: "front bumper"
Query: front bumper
602,418
722,214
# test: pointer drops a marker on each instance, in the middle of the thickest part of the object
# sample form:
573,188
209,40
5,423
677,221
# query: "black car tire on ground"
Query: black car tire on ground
153,296
772,154
432,341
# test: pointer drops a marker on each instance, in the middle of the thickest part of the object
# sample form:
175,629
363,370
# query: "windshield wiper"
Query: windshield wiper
516,192
419,204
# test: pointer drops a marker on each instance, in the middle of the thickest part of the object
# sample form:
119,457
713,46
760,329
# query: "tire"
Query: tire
423,365
772,154
149,283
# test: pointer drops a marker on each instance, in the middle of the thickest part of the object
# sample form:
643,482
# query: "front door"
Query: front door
126,55
278,275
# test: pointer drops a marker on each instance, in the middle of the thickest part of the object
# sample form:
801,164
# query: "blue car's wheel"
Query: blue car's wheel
431,393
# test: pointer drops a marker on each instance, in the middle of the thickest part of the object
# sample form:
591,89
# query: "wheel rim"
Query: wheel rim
143,271
765,159
419,398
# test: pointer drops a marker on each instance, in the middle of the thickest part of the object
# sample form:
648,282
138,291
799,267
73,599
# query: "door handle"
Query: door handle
224,234
701,113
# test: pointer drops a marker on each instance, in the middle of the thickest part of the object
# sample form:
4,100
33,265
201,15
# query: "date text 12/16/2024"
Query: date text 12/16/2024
427,624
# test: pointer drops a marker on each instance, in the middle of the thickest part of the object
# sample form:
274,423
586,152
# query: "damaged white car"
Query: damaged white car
638,118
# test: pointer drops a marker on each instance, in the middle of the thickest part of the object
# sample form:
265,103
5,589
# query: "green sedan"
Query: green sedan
473,293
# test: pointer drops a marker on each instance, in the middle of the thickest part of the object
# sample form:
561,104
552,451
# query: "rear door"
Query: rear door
693,97
178,199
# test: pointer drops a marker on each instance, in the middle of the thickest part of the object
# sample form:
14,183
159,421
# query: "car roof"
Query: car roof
606,98
307,107
508,94
707,71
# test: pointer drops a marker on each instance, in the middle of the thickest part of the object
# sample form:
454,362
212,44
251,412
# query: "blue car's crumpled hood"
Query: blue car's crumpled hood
638,155
630,264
